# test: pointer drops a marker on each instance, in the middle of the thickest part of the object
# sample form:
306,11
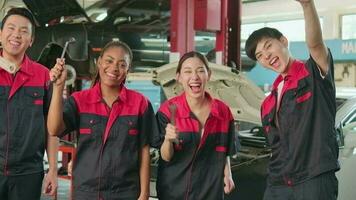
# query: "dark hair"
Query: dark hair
192,54
109,45
22,12
257,36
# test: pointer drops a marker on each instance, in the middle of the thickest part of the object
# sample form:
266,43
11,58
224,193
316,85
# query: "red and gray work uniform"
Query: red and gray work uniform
301,133
196,170
109,142
24,103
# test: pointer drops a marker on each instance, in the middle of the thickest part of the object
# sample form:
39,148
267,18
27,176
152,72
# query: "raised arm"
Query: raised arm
55,122
313,35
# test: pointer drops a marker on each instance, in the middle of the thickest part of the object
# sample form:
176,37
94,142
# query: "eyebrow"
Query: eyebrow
264,46
121,60
21,27
109,56
267,41
189,67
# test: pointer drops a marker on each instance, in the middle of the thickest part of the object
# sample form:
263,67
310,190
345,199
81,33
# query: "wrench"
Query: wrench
173,111
71,40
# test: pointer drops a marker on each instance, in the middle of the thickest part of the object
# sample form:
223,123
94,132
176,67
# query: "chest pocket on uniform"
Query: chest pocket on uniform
89,126
90,130
126,126
303,92
126,132
33,96
132,128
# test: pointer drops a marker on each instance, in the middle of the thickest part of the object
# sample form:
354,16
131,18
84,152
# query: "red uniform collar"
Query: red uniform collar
293,73
184,110
97,95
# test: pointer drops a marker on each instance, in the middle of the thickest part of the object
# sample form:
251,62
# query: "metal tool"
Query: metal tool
173,111
8,66
71,40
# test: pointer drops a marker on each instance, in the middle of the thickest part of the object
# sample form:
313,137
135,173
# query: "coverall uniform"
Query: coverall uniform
301,134
109,142
196,170
24,103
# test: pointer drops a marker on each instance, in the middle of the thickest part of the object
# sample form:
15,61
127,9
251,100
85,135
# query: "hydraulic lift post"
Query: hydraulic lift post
220,16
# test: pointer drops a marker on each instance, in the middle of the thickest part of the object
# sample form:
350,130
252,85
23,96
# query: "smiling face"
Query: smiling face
16,36
113,66
193,76
273,54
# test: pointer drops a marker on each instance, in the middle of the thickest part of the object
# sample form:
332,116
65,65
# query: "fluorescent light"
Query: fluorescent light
101,16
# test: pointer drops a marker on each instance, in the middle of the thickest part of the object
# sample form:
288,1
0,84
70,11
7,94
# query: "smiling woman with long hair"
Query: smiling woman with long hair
196,138
114,125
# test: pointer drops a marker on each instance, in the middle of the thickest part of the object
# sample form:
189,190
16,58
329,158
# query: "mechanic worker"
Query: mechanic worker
196,138
114,126
298,116
24,101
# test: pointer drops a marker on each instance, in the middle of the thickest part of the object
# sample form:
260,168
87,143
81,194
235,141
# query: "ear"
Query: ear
284,41
178,77
32,39
99,61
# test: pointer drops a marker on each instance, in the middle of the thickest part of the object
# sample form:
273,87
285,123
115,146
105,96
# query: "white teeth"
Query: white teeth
111,75
195,85
273,60
14,43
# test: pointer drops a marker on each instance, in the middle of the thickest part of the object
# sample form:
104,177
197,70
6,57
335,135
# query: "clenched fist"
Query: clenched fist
58,73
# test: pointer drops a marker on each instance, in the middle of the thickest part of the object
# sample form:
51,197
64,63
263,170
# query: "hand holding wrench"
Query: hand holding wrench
71,40
173,111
